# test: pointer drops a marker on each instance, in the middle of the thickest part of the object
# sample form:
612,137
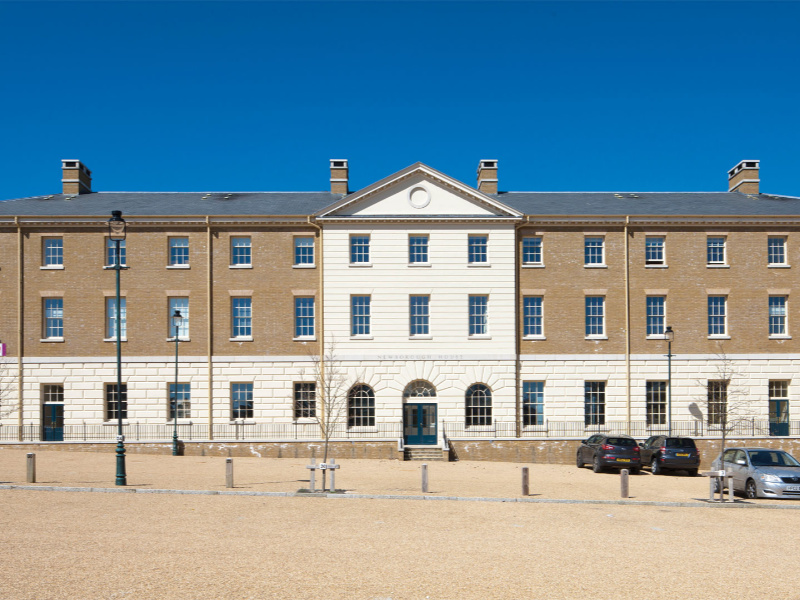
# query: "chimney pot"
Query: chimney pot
339,176
487,176
744,177
76,178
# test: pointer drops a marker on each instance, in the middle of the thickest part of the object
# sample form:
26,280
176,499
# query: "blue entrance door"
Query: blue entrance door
53,422
778,417
419,424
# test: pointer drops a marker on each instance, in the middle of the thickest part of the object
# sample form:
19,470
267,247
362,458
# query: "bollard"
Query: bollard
525,490
730,489
31,467
623,480
711,488
228,472
333,475
312,477
424,478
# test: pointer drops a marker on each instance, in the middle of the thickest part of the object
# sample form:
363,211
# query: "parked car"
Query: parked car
614,451
664,453
761,472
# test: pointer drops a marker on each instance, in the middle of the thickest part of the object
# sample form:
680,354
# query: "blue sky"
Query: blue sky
202,96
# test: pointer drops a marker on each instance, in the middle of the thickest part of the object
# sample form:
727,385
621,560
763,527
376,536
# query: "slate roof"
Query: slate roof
308,203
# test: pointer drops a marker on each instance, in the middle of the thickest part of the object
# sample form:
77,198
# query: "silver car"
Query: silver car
761,472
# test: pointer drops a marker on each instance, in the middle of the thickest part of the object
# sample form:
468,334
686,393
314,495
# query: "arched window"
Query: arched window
361,406
419,389
478,405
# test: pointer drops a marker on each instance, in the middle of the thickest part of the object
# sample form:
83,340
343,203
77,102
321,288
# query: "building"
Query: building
452,312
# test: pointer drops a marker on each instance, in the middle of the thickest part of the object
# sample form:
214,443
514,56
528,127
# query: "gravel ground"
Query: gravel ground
94,545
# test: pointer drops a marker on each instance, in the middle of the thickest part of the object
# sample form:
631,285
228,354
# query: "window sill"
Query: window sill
114,267
596,337
718,266
361,337
719,337
171,422
180,339
533,266
240,266
779,266
242,422
114,422
361,265
115,339
244,338
603,266
52,268
780,337
655,266
485,265
482,336
304,266
419,264
420,337
533,338
305,338
178,267
52,340
661,337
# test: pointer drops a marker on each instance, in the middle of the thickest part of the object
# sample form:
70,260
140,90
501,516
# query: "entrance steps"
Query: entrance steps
426,453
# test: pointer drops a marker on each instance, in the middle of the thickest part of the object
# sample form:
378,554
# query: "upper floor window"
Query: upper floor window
359,249
717,315
241,400
656,315
478,249
52,252
776,250
419,315
532,403
360,315
111,252
303,251
594,251
532,316
304,317
178,251
111,319
595,316
715,250
54,318
181,305
478,315
654,250
305,400
418,249
242,317
531,250
241,252
777,316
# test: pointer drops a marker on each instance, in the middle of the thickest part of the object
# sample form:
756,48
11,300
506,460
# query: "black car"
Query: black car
664,453
614,451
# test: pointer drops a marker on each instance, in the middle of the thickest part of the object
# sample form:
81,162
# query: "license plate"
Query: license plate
679,454
793,488
629,460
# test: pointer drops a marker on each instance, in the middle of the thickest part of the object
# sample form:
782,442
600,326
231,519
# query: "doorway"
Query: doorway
53,422
419,424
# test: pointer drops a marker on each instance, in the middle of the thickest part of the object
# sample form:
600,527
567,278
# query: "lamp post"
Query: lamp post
176,322
116,233
669,335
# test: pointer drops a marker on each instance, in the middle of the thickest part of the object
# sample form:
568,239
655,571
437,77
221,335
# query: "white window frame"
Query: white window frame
662,248
180,303
303,316
478,316
53,319
778,307
359,251
361,316
717,317
590,258
237,261
111,250
419,316
172,246
713,250
416,250
111,319
241,321
534,317
301,252
656,314
772,255
52,259
594,329
478,250
539,249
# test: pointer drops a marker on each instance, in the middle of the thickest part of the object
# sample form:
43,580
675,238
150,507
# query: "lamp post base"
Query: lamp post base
175,445
122,478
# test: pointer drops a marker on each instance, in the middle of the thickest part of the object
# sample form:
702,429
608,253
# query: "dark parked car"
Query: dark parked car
614,451
665,453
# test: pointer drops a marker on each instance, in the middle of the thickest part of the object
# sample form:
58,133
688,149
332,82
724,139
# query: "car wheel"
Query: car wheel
655,467
578,461
692,472
596,466
717,489
750,490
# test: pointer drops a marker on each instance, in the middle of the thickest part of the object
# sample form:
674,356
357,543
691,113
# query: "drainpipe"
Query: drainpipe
627,329
209,333
20,323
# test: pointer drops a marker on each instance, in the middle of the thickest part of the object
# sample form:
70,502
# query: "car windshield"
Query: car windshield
621,441
679,443
772,458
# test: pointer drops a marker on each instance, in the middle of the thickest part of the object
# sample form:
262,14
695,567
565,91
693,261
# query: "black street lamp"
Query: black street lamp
117,229
176,322
669,335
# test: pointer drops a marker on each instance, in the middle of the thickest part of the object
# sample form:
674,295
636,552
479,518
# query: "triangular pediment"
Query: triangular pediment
418,192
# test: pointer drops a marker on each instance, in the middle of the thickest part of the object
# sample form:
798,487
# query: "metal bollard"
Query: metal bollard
525,489
229,472
333,476
424,478
31,467
623,480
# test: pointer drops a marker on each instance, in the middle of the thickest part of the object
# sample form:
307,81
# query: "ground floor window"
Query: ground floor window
532,403
361,406
242,400
180,401
717,402
656,405
594,402
478,405
305,400
116,403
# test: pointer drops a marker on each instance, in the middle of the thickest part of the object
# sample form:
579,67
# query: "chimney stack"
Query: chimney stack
744,177
75,178
487,176
339,176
